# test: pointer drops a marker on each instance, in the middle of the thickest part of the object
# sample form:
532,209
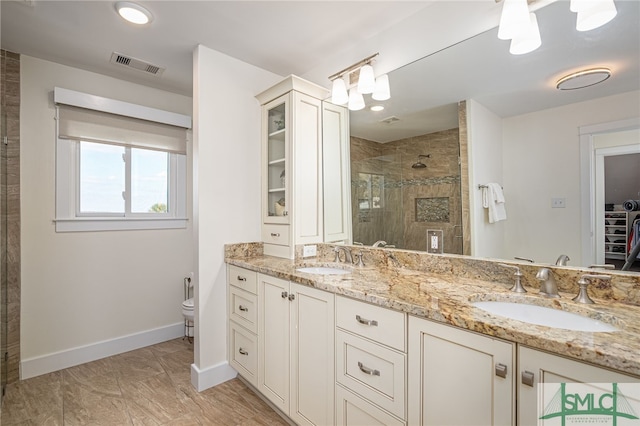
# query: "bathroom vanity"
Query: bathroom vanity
399,341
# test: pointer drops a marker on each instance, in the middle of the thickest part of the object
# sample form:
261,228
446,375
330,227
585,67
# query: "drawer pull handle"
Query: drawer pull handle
245,309
367,370
366,321
501,370
275,234
528,378
243,352
241,278
284,294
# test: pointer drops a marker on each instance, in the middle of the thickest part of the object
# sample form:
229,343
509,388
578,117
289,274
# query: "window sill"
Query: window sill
118,224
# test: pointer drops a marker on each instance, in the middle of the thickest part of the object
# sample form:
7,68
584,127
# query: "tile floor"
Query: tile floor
148,386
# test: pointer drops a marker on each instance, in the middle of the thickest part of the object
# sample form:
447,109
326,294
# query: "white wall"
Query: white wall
485,165
541,161
83,293
226,193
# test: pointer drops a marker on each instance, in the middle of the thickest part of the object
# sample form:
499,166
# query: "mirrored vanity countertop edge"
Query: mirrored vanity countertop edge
448,298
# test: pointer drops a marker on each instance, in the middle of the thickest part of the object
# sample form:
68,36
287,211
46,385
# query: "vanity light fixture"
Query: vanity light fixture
593,13
584,78
360,80
521,27
134,13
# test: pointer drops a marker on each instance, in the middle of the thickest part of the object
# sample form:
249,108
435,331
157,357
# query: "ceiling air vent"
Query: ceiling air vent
137,64
390,120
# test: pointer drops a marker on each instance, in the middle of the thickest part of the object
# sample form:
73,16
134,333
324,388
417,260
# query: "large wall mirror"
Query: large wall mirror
473,114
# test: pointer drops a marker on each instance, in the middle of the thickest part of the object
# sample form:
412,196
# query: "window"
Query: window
115,172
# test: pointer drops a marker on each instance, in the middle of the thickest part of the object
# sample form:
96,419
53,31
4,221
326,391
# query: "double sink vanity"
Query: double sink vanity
406,338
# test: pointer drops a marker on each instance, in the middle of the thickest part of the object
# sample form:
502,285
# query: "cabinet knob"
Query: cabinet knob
241,278
528,378
284,294
285,213
243,308
243,352
292,297
501,370
366,321
367,370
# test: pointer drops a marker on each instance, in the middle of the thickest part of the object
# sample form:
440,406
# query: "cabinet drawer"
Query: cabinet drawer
275,234
373,322
243,278
244,352
351,410
373,371
243,308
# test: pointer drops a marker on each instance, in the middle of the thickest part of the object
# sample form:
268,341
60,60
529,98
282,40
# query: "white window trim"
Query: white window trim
67,174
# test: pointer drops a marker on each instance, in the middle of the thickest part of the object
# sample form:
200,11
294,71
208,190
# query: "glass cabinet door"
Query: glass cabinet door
276,208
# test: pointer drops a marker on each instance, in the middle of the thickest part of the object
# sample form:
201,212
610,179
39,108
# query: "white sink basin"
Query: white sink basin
323,270
548,317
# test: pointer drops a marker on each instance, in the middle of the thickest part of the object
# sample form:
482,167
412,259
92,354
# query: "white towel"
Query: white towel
493,199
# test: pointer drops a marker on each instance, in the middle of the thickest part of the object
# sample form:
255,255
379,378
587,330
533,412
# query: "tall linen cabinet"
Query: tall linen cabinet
305,168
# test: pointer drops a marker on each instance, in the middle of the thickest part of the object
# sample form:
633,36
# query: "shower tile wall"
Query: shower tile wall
403,185
10,210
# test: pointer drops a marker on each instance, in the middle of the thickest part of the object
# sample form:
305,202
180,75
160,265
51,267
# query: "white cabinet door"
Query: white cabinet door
454,379
336,173
273,340
312,356
307,169
537,367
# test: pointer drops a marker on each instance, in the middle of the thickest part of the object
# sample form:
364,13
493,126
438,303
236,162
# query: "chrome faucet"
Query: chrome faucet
548,286
517,287
379,243
583,282
562,260
347,254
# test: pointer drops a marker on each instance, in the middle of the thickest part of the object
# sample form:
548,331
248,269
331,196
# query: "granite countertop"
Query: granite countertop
448,298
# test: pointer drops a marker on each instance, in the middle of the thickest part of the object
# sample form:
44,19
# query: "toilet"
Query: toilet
187,308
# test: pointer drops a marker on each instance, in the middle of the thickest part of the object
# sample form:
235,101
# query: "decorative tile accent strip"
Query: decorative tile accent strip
435,209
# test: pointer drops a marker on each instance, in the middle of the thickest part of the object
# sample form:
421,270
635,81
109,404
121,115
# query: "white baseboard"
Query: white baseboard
68,358
211,376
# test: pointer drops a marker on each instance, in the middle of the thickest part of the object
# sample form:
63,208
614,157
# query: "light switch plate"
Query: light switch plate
308,251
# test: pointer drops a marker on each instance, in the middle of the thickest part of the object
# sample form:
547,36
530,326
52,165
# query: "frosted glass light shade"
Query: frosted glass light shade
594,14
356,101
366,80
515,15
527,40
133,13
339,95
382,91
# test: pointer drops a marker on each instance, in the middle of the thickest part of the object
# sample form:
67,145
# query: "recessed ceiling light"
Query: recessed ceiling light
585,78
134,13
377,108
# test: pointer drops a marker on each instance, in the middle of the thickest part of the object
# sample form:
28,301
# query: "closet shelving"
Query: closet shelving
616,233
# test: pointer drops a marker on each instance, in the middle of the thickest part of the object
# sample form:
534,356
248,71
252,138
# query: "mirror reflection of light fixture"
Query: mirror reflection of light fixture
515,16
584,78
382,91
521,27
527,40
356,101
133,12
361,81
594,14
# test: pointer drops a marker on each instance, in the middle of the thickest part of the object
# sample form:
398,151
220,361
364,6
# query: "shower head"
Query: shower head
420,164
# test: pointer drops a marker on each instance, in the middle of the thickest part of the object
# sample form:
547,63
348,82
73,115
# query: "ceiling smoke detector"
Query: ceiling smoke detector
137,64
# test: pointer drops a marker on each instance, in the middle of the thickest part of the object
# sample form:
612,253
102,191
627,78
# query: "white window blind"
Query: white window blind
96,126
